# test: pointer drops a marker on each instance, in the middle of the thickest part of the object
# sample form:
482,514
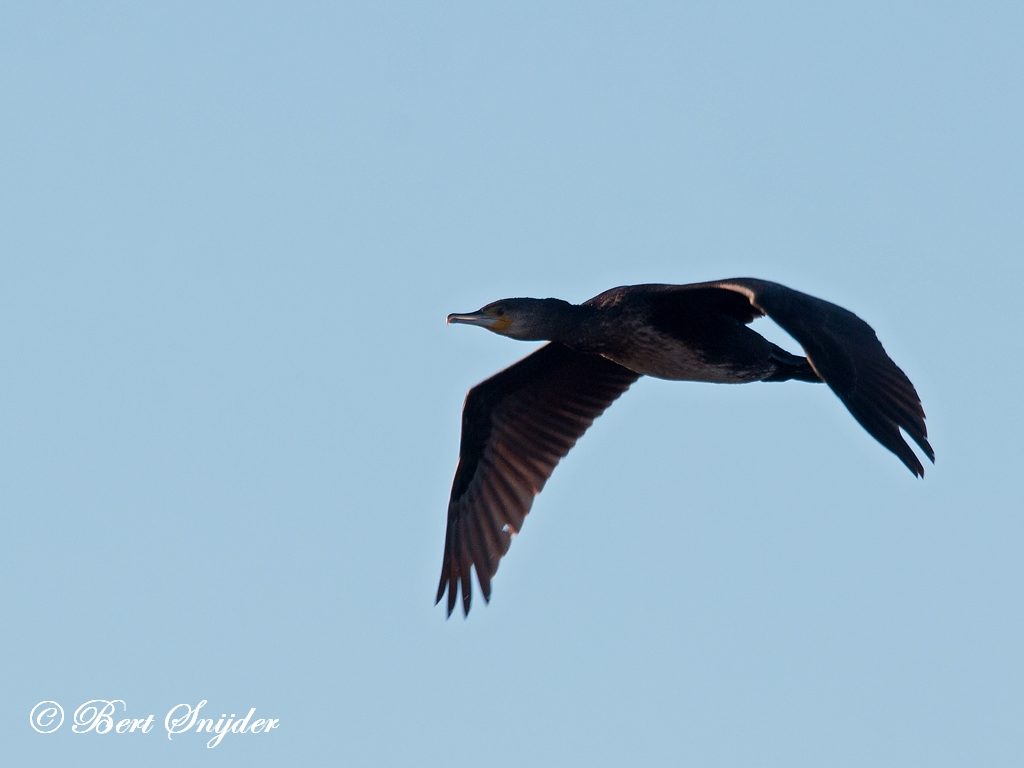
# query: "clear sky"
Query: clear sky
230,405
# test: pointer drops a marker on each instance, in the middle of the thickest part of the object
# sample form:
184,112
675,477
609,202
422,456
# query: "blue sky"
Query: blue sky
230,404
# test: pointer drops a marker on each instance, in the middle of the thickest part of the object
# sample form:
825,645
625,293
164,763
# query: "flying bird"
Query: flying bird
518,424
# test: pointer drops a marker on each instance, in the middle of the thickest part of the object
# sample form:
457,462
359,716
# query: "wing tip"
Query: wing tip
450,585
909,458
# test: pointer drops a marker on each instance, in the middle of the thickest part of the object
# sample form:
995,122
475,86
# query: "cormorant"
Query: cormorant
518,424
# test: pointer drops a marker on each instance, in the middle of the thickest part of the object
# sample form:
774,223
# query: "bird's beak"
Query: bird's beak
472,318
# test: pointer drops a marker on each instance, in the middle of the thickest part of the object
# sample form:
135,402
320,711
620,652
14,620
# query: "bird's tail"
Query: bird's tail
788,367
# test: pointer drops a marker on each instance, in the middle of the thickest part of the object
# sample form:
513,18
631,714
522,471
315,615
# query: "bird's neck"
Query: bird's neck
577,326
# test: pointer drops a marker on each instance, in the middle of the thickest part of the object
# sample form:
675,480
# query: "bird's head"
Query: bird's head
523,319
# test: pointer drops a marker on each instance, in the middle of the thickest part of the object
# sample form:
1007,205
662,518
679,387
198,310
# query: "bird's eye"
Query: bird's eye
500,312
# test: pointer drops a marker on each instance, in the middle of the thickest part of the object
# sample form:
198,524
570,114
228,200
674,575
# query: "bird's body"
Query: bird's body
518,424
680,333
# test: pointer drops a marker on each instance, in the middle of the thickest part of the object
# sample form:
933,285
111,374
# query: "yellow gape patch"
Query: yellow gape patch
501,323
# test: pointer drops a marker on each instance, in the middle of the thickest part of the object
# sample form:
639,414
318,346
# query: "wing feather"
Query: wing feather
845,352
516,427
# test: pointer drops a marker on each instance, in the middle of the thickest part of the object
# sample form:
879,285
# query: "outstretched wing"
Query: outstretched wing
846,354
516,426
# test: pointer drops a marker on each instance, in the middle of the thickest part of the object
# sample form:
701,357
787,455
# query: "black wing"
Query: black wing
516,426
846,354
